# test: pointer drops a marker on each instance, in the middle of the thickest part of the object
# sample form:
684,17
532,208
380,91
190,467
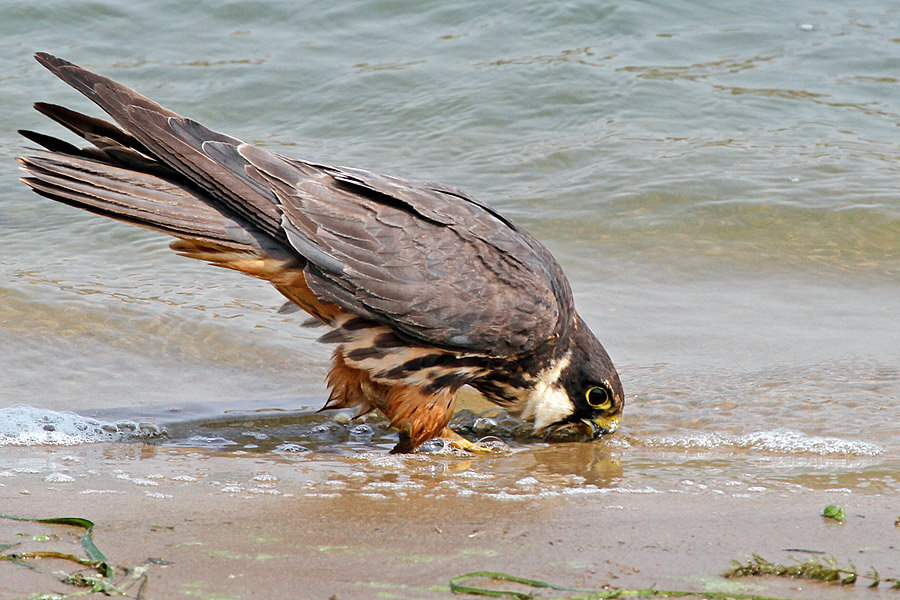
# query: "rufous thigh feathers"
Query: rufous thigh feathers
419,416
352,388
422,416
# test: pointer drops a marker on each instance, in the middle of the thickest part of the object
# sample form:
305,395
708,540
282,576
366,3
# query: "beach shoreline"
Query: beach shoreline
215,525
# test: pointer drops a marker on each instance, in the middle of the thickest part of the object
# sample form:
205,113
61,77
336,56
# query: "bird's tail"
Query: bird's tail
118,178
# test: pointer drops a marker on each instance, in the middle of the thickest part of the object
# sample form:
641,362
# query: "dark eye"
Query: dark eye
598,397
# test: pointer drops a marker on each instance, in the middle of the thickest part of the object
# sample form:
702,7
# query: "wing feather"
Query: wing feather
437,267
427,260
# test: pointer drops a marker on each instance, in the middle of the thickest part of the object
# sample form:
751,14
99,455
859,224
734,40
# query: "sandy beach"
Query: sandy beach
256,526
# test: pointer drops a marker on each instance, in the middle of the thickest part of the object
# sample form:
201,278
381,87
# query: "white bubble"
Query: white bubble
23,425
779,441
288,447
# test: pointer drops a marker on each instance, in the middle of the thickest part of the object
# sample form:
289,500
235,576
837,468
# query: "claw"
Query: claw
457,441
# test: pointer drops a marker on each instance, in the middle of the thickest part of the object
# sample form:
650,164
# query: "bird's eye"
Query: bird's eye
598,397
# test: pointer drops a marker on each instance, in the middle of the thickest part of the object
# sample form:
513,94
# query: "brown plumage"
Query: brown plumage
424,288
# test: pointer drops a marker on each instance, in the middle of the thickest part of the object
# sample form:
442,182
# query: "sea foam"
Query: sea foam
779,441
23,425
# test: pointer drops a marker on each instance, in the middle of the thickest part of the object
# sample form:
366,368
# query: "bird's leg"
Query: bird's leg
418,415
457,441
453,439
404,443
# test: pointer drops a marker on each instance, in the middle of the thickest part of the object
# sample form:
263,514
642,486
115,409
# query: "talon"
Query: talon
457,441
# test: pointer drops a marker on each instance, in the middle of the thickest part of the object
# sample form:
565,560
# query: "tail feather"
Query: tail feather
152,126
131,196
57,145
153,172
89,128
118,177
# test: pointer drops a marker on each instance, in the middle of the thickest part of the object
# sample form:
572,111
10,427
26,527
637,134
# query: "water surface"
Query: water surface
720,184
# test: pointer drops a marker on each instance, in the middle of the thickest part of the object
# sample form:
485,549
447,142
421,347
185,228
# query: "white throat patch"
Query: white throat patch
548,401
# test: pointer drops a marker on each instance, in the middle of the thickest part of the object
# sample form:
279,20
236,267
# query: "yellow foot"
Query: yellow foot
457,441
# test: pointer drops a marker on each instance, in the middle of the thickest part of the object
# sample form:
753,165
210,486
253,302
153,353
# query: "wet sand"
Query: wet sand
242,526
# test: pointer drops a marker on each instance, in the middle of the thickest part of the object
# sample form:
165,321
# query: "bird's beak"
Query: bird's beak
602,425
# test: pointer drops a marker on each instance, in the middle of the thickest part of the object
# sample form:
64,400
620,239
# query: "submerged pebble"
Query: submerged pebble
362,431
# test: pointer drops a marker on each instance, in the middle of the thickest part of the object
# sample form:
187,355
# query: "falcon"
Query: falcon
423,288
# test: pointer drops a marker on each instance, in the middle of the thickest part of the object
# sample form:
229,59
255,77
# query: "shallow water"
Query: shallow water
720,184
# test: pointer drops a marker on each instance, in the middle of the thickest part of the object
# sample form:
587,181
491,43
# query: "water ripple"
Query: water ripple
778,441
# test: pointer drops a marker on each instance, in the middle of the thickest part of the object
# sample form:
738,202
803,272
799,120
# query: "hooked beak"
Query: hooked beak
601,425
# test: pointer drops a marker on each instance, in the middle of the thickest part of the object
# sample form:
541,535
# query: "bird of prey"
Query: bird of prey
424,289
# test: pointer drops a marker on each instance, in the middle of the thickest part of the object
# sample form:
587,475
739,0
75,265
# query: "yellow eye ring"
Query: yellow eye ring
597,397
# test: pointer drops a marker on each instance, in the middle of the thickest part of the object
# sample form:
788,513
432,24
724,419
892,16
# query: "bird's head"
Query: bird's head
580,390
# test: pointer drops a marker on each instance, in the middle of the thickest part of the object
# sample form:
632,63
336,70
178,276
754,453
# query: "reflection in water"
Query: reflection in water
595,463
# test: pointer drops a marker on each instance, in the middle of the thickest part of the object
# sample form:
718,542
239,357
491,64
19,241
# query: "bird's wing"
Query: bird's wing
425,259
436,266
